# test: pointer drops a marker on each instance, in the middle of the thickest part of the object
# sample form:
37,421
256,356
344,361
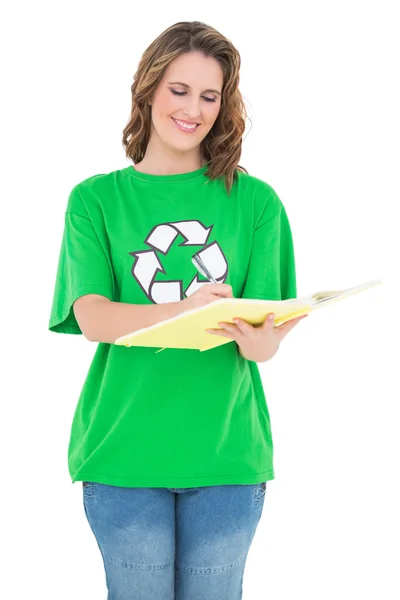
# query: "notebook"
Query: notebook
187,330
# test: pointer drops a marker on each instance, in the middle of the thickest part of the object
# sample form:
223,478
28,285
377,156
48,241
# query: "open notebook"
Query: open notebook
187,330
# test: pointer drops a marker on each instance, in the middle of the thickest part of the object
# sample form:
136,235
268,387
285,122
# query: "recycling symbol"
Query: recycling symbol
161,238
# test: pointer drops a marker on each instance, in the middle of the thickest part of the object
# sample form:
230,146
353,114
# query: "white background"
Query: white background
321,83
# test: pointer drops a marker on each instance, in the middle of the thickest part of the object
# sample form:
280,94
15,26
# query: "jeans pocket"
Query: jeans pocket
88,490
259,492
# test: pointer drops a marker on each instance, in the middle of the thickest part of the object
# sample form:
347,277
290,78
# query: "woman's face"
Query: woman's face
198,101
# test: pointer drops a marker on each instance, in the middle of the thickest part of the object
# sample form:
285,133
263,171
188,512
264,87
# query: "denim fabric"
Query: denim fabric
174,543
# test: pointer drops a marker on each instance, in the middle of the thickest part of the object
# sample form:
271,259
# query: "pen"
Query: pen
201,267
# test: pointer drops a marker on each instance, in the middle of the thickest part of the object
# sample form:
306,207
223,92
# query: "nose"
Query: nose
192,109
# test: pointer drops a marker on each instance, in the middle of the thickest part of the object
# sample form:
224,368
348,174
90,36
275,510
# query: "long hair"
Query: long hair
222,146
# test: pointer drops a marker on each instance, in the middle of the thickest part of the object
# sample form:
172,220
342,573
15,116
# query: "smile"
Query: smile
183,126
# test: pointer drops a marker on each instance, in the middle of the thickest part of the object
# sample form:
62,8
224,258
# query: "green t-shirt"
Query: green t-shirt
176,418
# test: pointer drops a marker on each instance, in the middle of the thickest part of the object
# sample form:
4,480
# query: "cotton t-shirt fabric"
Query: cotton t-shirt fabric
176,418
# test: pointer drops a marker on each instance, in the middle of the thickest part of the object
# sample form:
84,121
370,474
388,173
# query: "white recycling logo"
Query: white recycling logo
161,238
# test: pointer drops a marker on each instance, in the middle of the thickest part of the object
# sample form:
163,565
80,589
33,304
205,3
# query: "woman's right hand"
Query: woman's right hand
209,292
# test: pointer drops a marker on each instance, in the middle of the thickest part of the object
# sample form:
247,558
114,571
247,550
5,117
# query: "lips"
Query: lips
182,128
186,122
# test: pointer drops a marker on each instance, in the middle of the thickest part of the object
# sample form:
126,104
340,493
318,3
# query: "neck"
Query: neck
162,160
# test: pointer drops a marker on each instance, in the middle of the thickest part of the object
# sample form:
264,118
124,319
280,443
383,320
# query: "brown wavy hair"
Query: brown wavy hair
222,146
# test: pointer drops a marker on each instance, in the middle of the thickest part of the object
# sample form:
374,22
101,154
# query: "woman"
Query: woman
174,448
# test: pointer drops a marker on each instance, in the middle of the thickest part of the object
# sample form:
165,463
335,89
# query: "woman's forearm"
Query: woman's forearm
102,320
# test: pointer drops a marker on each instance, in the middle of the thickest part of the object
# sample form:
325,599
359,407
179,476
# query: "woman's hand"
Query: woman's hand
208,292
258,343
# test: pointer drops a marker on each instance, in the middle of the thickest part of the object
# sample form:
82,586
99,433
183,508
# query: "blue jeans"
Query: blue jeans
174,543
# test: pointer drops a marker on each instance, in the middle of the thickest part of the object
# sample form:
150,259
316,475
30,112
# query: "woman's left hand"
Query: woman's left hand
258,343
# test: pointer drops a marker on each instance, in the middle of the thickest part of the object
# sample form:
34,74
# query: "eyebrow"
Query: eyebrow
188,86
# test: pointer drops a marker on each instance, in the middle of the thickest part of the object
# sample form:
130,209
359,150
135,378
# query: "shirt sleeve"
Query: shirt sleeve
272,271
84,267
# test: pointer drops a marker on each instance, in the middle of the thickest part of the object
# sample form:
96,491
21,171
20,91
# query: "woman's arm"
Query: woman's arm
102,320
